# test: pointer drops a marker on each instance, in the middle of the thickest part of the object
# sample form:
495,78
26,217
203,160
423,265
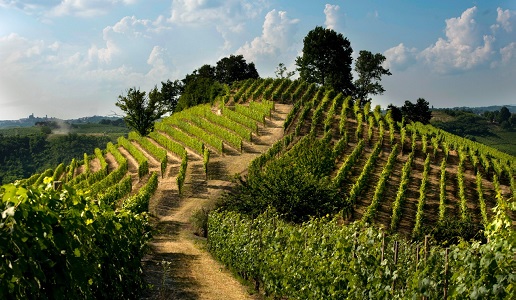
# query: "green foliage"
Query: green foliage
143,163
345,262
23,156
141,111
326,60
419,112
401,193
380,186
180,136
234,68
369,69
223,121
240,118
159,153
181,176
199,90
296,185
139,203
64,245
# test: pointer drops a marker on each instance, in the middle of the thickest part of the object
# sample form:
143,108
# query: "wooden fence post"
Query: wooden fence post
383,245
426,255
445,295
395,262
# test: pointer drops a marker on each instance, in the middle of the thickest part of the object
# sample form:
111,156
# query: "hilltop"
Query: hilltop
269,146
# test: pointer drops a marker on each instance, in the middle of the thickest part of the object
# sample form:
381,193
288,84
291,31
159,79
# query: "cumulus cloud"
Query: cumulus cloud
332,16
463,48
19,52
85,8
227,17
400,57
159,68
277,35
504,19
201,12
126,31
508,52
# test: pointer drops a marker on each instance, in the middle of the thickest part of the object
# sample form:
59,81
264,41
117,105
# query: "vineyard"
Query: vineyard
392,187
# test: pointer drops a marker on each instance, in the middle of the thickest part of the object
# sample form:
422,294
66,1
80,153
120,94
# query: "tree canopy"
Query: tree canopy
141,111
234,68
419,112
327,60
205,84
369,68
170,92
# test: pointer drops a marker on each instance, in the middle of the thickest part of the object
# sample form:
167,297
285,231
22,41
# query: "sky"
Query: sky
73,58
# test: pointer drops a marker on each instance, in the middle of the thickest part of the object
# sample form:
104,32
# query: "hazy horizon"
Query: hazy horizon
71,59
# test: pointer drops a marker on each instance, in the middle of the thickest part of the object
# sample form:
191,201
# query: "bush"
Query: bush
296,185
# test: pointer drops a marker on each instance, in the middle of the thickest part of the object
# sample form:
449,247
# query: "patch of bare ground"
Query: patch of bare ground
364,201
409,207
384,213
431,208
178,265
112,164
94,165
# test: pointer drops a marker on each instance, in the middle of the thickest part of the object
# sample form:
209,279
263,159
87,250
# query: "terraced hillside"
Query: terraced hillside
406,178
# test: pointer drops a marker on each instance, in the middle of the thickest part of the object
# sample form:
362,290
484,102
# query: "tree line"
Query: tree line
326,61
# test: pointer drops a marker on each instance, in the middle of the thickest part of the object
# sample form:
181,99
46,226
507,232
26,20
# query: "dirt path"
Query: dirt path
178,266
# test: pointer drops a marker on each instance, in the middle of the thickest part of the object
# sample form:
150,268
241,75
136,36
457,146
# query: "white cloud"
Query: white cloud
227,17
86,8
19,52
400,57
202,12
159,68
504,19
508,52
464,47
125,32
277,35
332,16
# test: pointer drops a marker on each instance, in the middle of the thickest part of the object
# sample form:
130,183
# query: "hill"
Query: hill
409,179
477,128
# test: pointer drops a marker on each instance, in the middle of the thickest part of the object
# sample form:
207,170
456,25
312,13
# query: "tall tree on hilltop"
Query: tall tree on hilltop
141,111
327,60
234,68
369,68
170,92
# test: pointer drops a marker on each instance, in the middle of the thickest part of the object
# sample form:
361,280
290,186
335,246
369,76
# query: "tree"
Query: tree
396,114
234,68
141,111
170,92
326,60
370,71
281,71
504,115
419,112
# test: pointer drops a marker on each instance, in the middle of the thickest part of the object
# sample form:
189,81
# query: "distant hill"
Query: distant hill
482,109
32,120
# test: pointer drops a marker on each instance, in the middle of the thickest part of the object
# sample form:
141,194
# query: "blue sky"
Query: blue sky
72,58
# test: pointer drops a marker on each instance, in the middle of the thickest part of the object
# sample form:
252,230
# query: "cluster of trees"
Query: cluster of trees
411,112
327,61
203,85
502,117
23,156
468,124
